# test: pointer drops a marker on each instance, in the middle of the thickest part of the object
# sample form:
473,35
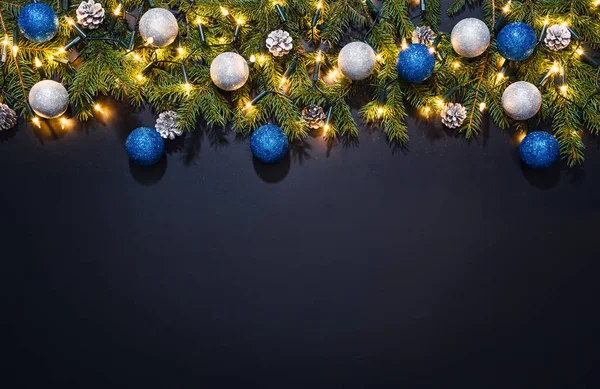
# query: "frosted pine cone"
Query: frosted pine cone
423,35
90,14
279,42
453,115
557,37
314,116
8,117
167,125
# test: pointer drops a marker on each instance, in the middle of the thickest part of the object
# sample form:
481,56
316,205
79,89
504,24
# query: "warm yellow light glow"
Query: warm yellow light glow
500,76
546,21
222,40
520,137
440,102
137,57
404,44
70,21
426,111
563,89
380,111
240,21
252,58
180,50
224,11
455,64
62,50
15,50
318,59
432,50
325,129
482,107
319,5
117,10
6,42
379,58
98,108
199,20
187,86
564,24
579,51
37,62
150,40
597,3
63,122
36,121
283,80
554,68
506,8
333,75
140,77
261,58
248,106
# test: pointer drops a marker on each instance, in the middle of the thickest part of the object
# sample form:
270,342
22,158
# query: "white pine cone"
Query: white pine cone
557,37
453,115
314,116
167,125
423,35
279,42
8,117
90,14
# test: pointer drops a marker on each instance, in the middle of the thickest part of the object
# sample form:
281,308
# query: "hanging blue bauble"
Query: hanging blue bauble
145,146
415,63
268,143
539,149
38,22
516,41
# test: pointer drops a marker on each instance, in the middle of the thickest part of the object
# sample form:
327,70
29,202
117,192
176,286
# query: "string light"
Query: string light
455,64
506,8
261,58
404,44
283,81
15,50
149,41
432,50
37,62
379,58
482,106
224,11
140,77
380,111
63,122
440,102
117,10
98,108
36,120
426,111
252,58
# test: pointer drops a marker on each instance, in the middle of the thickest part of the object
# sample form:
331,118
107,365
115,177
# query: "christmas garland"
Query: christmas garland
245,63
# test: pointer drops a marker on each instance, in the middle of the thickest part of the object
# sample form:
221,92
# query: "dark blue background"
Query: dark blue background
443,265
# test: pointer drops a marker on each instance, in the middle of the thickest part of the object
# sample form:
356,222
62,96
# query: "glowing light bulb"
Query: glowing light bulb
455,64
224,11
440,102
379,58
187,86
319,5
379,111
37,62
432,50
150,40
283,80
579,51
62,50
180,50
63,122
426,111
117,10
318,59
500,76
140,77
554,68
137,57
15,50
36,121
98,108
404,44
240,21
70,21
482,107
261,58
563,89
506,8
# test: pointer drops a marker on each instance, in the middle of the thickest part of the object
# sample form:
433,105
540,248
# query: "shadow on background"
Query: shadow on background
149,175
272,173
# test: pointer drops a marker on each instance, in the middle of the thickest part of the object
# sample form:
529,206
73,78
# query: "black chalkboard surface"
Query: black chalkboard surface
356,265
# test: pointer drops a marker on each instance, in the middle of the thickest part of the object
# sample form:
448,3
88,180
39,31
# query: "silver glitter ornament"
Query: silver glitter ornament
453,115
521,100
470,37
357,60
168,126
8,117
158,27
49,99
279,43
557,37
229,71
90,14
423,35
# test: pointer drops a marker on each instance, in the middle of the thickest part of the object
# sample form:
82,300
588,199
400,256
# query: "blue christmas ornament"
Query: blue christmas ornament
38,22
516,41
145,146
539,149
268,143
415,63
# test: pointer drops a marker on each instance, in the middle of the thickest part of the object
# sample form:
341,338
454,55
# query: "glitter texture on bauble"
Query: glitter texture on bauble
470,37
145,146
357,60
159,26
38,22
521,100
48,99
229,71
268,143
516,41
415,63
539,150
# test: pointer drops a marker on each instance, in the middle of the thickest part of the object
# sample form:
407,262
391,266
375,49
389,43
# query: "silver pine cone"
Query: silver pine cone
90,14
557,37
423,35
167,125
8,117
453,115
314,116
279,42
